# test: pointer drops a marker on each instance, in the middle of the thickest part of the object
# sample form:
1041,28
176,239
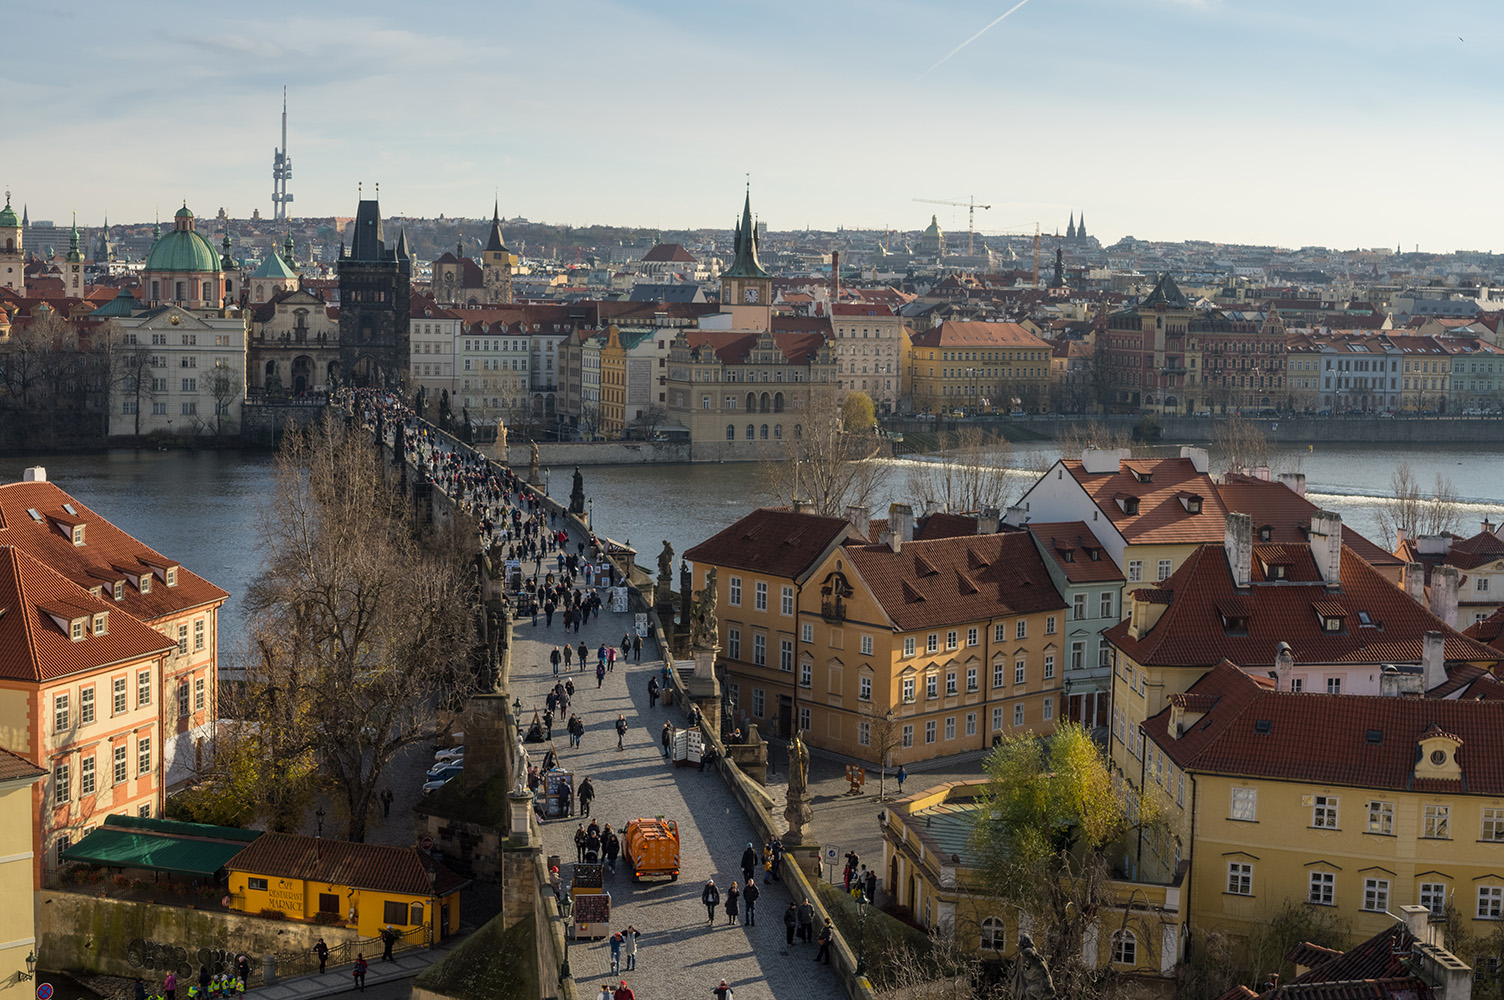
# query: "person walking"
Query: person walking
732,897
749,864
711,897
668,737
203,980
170,986
790,922
826,933
605,993
902,774
621,730
359,972
610,659
722,992
806,920
652,692
610,849
556,658
624,992
388,939
587,795
749,903
322,951
568,656
616,940
582,654
600,674
629,946
626,644
777,846
579,843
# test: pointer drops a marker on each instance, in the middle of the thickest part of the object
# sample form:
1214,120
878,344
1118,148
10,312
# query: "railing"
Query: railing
299,963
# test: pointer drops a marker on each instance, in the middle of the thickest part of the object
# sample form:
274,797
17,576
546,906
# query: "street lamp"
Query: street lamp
862,903
319,815
545,481
590,517
31,968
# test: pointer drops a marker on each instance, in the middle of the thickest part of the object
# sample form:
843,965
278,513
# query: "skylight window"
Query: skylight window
32,511
69,508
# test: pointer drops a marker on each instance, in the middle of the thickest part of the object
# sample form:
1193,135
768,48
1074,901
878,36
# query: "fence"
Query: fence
299,963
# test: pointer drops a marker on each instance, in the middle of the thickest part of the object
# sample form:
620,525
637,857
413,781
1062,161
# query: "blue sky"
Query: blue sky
1262,121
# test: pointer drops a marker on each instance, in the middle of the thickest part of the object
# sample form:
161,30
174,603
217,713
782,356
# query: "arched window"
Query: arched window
994,934
751,402
777,402
1124,948
764,432
798,430
182,293
778,431
415,915
764,403
730,432
751,432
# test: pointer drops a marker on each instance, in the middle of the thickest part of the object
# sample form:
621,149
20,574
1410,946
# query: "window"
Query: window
394,912
183,698
1433,896
951,639
172,581
198,629
950,727
1245,804
806,675
971,679
908,645
1493,824
1049,709
119,590
1078,607
908,736
759,702
997,720
1135,571
1490,902
807,633
76,629
1376,894
1018,714
143,756
1324,812
182,638
866,645
78,534
929,731
255,884
1124,947
932,642
1021,630
99,624
735,586
950,683
864,688
198,694
1381,817
1164,569
786,655
759,650
971,636
86,776
1323,888
908,690
932,686
1240,878
760,596
971,723
1104,607
60,714
1020,671
864,733
1436,822
994,934
120,765
734,643
119,705
86,705
786,601
999,633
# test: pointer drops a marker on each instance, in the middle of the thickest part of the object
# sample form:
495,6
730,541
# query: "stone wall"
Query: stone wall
262,424
556,453
133,938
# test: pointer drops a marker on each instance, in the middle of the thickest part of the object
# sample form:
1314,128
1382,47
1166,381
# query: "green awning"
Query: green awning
194,849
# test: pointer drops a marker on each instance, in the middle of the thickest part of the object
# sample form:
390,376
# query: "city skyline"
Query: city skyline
1164,120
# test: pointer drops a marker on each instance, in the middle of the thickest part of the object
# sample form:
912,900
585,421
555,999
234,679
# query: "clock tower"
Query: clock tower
747,289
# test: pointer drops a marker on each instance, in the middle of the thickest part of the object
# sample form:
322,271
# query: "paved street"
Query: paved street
679,955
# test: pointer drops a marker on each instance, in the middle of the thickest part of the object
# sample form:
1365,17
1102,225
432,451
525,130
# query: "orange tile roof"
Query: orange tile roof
366,866
947,581
779,543
1287,514
958,333
34,647
1070,544
1161,519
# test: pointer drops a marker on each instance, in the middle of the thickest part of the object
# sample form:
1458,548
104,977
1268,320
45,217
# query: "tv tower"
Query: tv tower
281,169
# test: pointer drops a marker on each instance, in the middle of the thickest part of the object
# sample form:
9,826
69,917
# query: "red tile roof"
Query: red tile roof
778,543
953,580
107,554
1070,544
1191,633
669,252
34,647
1161,519
14,767
1489,630
957,333
1287,514
367,866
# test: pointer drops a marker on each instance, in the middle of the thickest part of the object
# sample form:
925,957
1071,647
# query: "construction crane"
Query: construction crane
971,206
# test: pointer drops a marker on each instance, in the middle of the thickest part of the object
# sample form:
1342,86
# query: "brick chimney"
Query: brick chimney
1296,481
989,521
900,526
1238,544
1444,594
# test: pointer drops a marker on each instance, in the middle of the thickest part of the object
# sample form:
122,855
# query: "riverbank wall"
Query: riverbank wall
1278,430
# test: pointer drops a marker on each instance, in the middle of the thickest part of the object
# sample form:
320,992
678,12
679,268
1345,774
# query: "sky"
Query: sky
1342,123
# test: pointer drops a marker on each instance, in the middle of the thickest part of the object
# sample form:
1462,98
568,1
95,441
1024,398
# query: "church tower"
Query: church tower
105,252
1081,229
375,284
497,264
1070,230
12,259
747,289
73,265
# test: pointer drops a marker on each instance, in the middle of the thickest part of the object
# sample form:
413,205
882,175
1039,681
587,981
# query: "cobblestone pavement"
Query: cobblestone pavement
679,954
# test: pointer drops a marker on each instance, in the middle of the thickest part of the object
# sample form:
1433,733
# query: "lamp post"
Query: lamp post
862,903
319,815
590,516
31,968
545,481
433,906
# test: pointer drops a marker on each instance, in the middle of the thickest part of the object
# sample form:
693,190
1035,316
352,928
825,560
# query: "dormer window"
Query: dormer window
144,583
172,576
78,534
1331,624
1191,502
76,629
1127,504
1266,533
1235,624
100,620
119,590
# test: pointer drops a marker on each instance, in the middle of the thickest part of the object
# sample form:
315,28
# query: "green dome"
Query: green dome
8,218
183,250
184,212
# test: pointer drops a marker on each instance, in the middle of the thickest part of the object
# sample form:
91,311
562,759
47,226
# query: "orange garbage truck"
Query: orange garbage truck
652,848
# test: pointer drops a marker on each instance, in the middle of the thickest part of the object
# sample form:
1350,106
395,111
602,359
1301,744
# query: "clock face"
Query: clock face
751,294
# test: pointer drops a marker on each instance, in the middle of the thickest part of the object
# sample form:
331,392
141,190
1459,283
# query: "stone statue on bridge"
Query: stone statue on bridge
704,630
666,565
797,811
533,475
577,493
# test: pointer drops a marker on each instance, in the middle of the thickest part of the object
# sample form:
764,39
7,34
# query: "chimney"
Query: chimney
1417,921
35,474
1488,526
835,280
1397,683
1325,541
860,521
989,521
1238,543
1433,663
803,507
1296,481
1016,517
1198,456
1284,662
1415,582
1444,594
900,526
1097,460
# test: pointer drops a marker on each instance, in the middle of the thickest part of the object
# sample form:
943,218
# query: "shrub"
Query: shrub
272,914
327,919
121,882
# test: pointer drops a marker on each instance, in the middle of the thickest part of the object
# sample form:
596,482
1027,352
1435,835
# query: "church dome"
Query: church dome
183,249
8,218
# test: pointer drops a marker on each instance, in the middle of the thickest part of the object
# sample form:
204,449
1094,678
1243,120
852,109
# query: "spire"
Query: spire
25,217
1081,228
745,264
75,254
402,252
496,244
288,248
1070,230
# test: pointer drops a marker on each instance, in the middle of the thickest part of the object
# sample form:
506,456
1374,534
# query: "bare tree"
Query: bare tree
224,387
649,421
820,463
375,626
884,735
131,374
1076,438
966,475
1241,445
1411,510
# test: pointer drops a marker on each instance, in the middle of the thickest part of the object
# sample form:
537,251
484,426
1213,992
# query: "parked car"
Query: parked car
445,770
449,753
429,787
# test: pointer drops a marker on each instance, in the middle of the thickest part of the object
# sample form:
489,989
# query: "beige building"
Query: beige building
979,367
867,348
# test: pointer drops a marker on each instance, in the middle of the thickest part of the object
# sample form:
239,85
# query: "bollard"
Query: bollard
269,970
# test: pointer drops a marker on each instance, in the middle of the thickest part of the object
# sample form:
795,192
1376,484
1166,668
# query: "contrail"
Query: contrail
973,38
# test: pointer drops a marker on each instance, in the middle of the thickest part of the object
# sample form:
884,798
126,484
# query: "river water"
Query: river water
202,508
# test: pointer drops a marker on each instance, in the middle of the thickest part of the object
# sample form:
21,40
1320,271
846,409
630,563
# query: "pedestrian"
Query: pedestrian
568,656
386,801
749,863
587,796
902,774
548,612
388,939
871,886
170,986
616,940
583,654
140,989
624,992
749,903
605,993
600,656
569,687
733,898
806,920
610,848
826,933
711,897
652,692
556,657
637,649
722,992
600,674
790,922
203,980
626,644
629,946
610,658
621,730
360,972
668,737
777,858
322,951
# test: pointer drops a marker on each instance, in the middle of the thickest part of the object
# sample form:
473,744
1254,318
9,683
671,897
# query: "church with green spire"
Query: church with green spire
746,287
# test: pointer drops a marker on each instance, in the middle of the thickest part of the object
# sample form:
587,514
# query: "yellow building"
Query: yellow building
1473,591
613,404
368,885
17,923
929,870
1427,379
1355,805
978,367
934,640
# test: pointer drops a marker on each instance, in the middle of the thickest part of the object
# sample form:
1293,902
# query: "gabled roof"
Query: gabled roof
670,253
1192,631
1166,294
1288,515
960,333
778,543
1161,519
1071,545
366,866
952,580
1464,553
1376,969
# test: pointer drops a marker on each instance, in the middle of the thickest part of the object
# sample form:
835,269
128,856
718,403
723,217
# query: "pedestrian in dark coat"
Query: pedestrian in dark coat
749,904
790,922
749,864
806,921
826,934
732,896
711,897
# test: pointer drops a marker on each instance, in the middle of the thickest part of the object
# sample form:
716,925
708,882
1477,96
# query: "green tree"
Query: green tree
858,415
